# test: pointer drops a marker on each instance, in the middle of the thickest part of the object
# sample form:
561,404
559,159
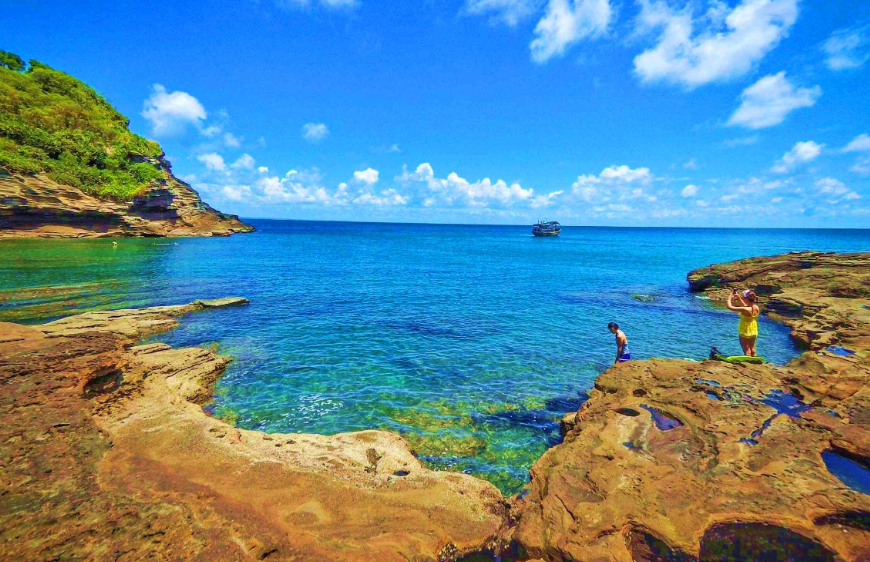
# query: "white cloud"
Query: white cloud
170,113
835,190
722,45
769,101
211,130
614,182
314,132
383,149
367,177
295,187
690,164
510,12
245,162
455,191
566,22
331,4
741,141
305,187
800,153
263,170
848,48
756,185
232,141
236,192
386,197
213,161
543,201
861,143
861,166
689,191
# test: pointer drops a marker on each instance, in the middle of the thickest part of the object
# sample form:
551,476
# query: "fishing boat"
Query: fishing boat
546,228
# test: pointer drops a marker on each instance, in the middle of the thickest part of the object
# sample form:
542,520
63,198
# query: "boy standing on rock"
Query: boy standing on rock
622,353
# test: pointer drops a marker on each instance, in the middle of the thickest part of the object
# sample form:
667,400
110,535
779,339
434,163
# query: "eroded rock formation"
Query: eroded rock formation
679,460
36,206
107,454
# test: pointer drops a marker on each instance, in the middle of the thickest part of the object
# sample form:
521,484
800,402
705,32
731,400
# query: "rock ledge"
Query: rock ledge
686,461
107,454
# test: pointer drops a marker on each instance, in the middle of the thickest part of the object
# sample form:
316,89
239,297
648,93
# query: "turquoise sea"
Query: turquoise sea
470,340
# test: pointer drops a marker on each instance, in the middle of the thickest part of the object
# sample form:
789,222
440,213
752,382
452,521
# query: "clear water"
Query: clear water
849,472
470,340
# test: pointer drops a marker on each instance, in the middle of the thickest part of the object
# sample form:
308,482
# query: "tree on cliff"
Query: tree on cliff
53,123
11,61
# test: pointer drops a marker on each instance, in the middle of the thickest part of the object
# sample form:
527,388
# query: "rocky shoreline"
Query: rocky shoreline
34,206
681,460
107,454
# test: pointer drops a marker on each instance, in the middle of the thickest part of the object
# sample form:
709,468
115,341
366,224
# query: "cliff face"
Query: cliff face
673,460
36,206
70,166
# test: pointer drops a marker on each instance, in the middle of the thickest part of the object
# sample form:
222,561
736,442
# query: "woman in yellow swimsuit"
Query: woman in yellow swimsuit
747,329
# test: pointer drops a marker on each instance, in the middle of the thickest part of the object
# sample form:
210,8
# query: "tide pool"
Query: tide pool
470,340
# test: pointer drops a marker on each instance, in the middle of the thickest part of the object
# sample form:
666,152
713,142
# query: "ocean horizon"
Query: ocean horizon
564,225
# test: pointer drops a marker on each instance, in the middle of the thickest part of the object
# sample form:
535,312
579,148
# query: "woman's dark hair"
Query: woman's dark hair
613,326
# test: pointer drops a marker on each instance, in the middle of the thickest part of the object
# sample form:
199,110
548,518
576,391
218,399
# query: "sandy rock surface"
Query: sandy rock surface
107,454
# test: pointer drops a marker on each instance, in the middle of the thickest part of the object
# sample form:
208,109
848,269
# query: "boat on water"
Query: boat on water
547,228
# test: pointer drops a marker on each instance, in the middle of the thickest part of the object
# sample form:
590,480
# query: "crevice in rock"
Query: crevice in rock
760,542
110,382
646,547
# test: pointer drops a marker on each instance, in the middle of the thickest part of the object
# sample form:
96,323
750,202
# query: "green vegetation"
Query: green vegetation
50,122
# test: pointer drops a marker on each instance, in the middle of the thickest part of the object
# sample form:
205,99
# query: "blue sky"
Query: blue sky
592,112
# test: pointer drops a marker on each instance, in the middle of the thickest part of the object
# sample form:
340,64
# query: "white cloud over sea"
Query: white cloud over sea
617,193
717,45
770,100
800,153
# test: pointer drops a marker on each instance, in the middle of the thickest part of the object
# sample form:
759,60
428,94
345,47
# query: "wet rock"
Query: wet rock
219,303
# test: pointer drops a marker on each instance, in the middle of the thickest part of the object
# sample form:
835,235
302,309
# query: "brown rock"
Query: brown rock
623,488
36,206
106,454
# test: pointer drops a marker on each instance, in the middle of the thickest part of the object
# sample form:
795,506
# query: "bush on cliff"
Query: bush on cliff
51,122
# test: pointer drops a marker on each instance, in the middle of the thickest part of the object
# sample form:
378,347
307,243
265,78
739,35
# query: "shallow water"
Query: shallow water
849,472
470,340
